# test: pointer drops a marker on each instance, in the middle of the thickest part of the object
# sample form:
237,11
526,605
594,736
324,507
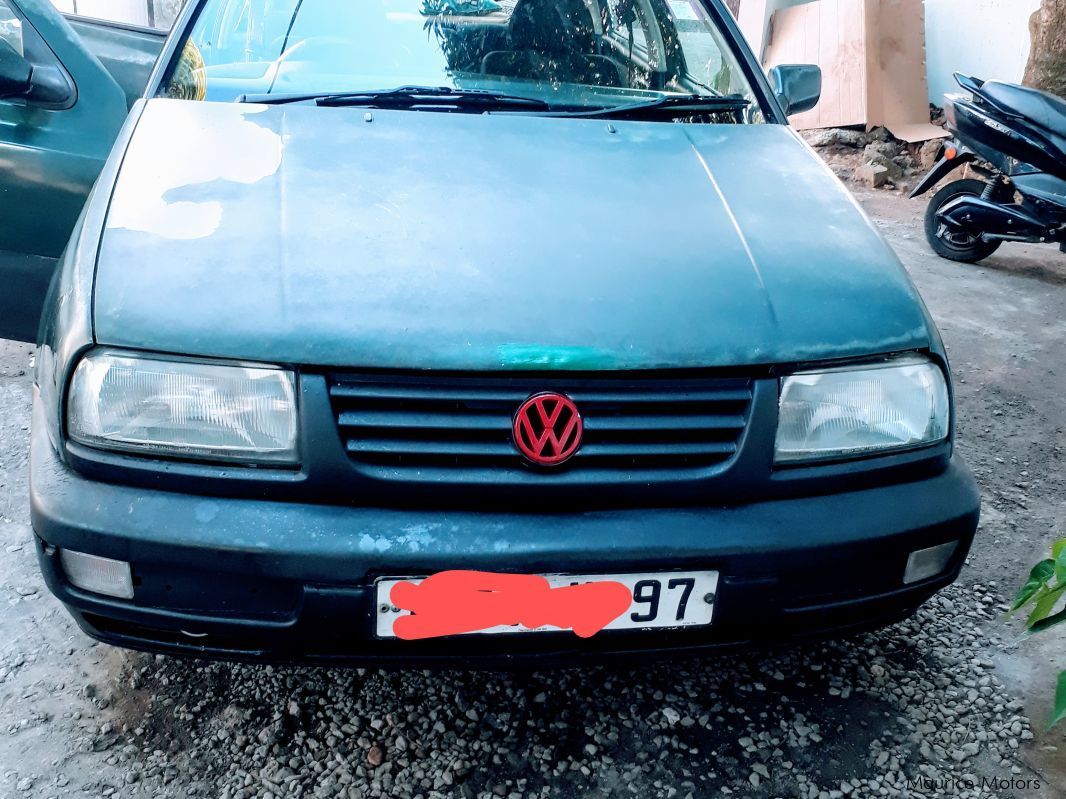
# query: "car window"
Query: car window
704,54
583,52
11,28
157,14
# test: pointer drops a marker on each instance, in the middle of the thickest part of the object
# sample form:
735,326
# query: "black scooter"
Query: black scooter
1015,139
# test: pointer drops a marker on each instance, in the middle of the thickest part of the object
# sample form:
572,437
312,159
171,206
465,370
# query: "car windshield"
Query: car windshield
576,54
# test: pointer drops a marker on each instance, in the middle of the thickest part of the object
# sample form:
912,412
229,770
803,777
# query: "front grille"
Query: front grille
403,424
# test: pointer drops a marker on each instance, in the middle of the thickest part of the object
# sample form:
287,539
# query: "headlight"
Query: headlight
184,409
862,410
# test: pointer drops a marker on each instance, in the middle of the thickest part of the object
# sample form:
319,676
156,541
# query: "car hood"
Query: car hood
400,239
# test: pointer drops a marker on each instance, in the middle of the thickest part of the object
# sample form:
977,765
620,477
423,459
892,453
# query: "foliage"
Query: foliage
471,7
1043,590
462,46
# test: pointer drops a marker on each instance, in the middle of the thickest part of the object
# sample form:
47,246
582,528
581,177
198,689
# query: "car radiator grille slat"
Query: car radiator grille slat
416,427
421,420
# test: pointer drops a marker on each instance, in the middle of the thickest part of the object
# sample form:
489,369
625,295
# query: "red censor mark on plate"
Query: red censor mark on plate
456,602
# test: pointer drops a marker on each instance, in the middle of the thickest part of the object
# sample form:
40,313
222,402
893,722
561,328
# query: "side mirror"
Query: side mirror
798,86
42,84
16,73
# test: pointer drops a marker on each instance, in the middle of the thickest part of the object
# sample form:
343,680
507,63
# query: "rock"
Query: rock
905,162
887,149
851,138
671,716
929,154
879,134
871,175
894,170
375,757
821,138
839,137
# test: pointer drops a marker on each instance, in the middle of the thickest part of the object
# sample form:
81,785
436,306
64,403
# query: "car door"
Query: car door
60,111
125,35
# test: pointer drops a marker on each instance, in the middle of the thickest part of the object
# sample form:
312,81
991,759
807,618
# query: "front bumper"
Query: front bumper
259,579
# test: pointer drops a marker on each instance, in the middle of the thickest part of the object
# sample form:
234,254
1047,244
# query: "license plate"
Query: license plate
660,599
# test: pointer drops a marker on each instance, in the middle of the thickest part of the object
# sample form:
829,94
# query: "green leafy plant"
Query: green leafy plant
1043,590
468,7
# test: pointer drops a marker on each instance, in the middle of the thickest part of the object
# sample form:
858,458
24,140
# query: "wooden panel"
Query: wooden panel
752,22
872,60
904,92
872,55
832,34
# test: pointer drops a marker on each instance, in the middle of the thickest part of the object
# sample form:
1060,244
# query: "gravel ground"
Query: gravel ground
861,717
933,707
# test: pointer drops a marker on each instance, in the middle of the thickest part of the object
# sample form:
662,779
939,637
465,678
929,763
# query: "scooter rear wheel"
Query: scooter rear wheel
956,246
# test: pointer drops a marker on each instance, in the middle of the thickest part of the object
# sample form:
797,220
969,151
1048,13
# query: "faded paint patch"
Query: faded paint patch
535,356
206,512
367,543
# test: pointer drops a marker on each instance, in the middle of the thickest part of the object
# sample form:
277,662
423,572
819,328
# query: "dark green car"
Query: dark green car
390,323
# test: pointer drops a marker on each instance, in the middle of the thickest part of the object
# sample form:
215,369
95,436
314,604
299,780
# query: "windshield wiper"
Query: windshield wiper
408,97
673,105
405,97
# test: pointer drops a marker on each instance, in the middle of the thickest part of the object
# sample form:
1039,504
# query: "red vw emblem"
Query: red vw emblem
547,429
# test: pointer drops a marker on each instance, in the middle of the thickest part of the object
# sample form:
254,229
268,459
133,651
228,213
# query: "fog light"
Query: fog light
96,574
926,563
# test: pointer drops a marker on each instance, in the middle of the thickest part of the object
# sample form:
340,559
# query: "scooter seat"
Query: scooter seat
1043,109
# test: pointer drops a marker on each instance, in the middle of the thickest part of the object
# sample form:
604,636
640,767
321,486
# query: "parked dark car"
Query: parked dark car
529,316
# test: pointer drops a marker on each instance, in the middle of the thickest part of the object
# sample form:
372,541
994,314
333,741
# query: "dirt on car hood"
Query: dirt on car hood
407,239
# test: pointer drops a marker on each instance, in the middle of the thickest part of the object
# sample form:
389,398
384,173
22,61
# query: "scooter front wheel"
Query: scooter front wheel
963,247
